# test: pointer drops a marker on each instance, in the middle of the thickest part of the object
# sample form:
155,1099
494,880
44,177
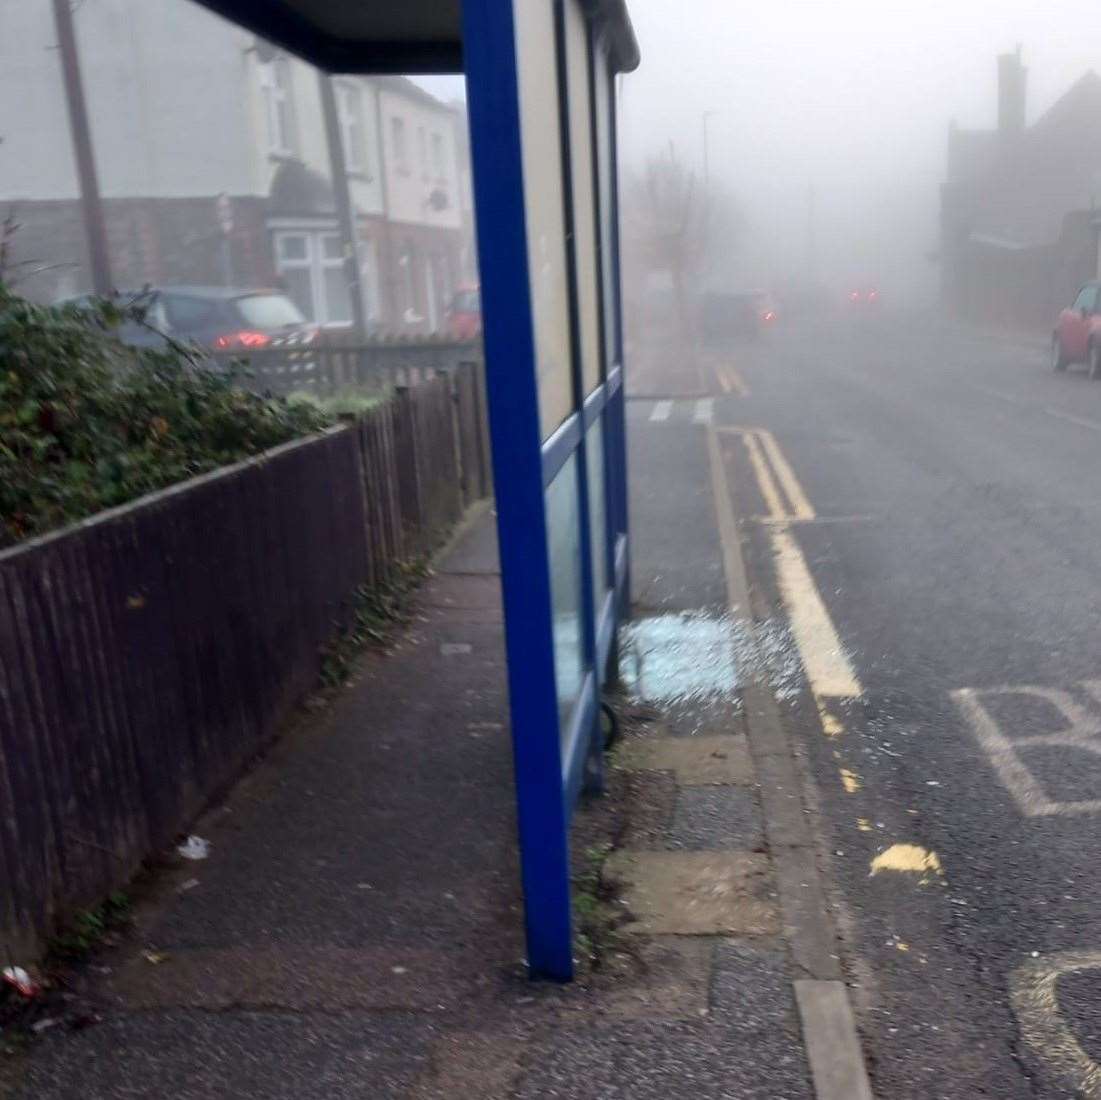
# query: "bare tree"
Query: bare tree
672,226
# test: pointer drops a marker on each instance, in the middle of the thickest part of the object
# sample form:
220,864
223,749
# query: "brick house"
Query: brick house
1018,221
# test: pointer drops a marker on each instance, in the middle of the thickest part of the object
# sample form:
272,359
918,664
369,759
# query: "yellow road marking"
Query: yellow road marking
730,380
824,659
769,489
800,505
737,382
850,781
907,858
831,726
827,667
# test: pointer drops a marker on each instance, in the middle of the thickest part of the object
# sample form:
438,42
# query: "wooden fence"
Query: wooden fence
148,654
327,366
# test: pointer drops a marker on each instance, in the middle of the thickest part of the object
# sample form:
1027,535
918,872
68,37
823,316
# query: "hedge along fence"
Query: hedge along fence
148,654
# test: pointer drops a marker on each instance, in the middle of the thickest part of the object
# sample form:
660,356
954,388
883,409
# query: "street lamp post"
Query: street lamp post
705,118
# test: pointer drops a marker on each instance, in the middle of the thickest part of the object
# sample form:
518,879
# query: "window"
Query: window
353,130
409,312
1087,299
311,264
268,311
186,314
437,157
397,140
275,87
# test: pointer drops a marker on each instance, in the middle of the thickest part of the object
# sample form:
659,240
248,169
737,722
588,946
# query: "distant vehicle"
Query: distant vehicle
464,315
863,298
745,313
218,318
1077,335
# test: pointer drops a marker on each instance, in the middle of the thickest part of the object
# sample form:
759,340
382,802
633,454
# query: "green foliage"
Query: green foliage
343,403
378,609
595,918
87,423
89,927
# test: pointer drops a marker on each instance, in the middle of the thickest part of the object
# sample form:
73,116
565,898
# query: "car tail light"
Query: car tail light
854,296
872,295
770,315
246,338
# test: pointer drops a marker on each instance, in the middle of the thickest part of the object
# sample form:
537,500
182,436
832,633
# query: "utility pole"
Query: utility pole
811,258
94,229
339,172
706,117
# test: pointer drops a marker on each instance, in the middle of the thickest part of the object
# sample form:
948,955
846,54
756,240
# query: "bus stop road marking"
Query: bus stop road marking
704,412
661,412
1080,731
1034,996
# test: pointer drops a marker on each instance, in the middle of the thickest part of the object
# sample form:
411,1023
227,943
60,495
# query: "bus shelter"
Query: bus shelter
541,86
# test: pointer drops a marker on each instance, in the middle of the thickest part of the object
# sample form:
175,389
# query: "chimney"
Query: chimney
1011,94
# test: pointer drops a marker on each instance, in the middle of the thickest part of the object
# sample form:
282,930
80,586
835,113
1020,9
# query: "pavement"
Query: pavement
357,927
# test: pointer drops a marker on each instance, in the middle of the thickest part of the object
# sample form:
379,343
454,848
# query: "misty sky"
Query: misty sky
852,95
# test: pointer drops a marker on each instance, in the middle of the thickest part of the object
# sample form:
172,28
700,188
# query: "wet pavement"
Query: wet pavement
942,498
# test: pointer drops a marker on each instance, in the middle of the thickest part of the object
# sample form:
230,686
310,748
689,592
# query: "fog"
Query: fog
851,101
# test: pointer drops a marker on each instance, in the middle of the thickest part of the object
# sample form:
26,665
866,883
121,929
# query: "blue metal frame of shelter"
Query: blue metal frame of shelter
550,768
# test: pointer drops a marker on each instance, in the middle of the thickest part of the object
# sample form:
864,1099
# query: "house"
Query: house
214,168
1017,205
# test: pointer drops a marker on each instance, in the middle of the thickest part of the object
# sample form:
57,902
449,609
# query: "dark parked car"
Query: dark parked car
219,318
744,314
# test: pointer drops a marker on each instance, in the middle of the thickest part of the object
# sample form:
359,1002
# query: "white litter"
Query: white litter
194,848
22,981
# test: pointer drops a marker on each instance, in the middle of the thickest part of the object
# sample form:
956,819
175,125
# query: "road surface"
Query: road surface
921,511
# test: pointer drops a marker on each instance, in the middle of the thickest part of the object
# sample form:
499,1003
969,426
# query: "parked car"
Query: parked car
464,315
1077,335
218,318
744,313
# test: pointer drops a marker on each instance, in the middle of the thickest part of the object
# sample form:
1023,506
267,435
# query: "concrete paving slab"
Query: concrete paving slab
750,987
695,893
469,1064
660,1061
670,980
715,818
694,760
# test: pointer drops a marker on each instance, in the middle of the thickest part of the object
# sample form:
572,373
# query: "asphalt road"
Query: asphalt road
952,530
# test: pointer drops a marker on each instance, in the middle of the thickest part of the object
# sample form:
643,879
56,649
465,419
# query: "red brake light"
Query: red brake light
854,296
873,294
770,316
243,339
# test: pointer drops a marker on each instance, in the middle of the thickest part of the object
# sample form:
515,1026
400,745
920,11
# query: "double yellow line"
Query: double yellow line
825,661
780,489
731,381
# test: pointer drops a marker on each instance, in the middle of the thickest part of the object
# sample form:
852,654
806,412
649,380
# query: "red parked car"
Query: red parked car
1077,336
464,317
